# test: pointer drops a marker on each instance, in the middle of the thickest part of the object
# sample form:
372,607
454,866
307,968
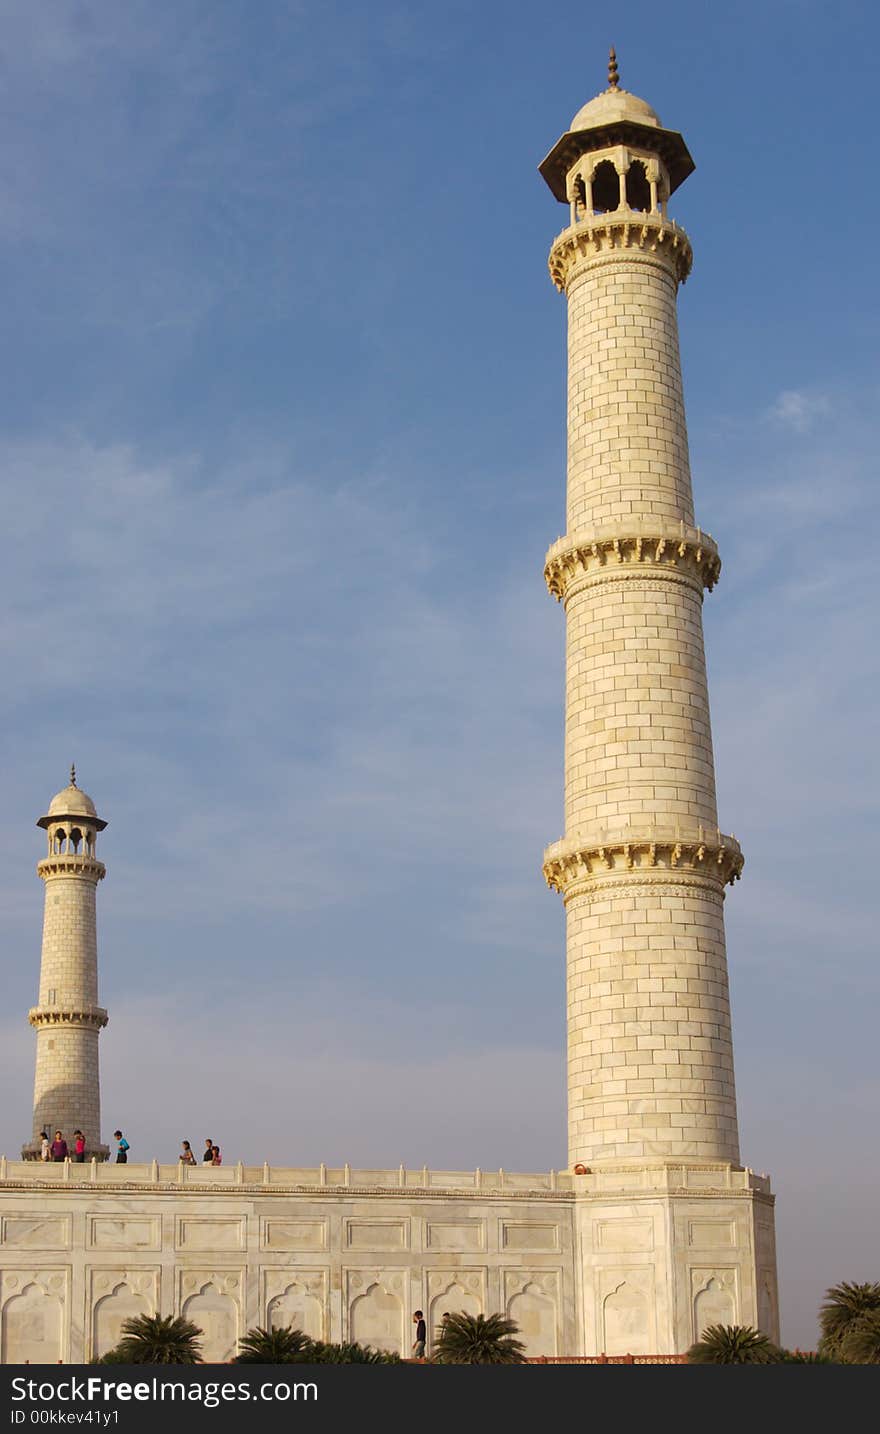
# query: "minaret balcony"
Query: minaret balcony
74,1013
591,235
72,864
652,853
675,550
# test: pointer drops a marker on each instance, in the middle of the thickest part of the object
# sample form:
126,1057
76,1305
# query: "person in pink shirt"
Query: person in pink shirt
79,1147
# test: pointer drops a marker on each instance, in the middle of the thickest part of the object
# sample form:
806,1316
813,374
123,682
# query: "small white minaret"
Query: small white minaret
67,1017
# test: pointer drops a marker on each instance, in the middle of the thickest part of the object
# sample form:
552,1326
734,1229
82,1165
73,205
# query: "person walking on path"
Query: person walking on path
208,1152
186,1155
45,1146
59,1147
79,1147
122,1148
421,1335
216,1157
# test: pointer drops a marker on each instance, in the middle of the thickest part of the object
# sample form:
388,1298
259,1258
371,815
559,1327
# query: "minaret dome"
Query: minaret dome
616,155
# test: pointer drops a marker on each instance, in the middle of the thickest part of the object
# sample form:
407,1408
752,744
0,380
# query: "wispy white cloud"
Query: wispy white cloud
800,410
291,624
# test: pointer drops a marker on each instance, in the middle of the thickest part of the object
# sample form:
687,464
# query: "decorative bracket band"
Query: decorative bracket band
82,1015
605,234
664,854
672,548
70,865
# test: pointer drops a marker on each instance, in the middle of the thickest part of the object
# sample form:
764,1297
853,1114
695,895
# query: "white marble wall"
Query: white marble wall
631,1261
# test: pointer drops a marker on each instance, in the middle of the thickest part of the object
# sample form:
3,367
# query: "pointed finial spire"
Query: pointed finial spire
613,76
72,775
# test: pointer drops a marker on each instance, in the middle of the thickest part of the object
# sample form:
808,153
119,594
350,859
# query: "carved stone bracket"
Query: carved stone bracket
82,1015
673,549
572,866
600,235
70,865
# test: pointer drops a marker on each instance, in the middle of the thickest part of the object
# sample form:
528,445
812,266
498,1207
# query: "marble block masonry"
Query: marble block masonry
655,1229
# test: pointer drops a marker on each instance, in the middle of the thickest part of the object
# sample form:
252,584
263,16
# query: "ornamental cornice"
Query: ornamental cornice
663,883
85,866
586,1195
314,1193
673,550
80,1015
637,582
676,1192
603,237
576,865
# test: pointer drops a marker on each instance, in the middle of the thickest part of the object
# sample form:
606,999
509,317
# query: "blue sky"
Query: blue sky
282,448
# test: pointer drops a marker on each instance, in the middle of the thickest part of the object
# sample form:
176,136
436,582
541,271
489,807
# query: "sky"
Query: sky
282,440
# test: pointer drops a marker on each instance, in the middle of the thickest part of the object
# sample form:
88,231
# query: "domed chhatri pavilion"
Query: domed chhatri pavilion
655,1229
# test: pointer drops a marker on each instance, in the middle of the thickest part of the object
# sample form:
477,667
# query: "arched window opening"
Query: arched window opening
90,843
58,841
638,190
76,837
580,198
606,188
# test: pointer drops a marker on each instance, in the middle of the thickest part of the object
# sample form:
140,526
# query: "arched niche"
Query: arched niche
534,1313
767,1321
714,1304
377,1319
216,1315
453,1300
296,1308
110,1313
605,188
626,1321
31,1328
638,189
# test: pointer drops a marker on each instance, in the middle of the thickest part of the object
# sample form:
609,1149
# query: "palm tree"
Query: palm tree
110,1356
159,1339
861,1345
272,1346
320,1352
844,1311
478,1339
733,1344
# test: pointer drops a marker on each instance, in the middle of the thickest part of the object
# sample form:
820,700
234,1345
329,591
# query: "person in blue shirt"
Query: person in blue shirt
122,1148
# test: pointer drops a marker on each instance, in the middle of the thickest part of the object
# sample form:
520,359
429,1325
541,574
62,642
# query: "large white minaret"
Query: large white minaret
643,865
67,1017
